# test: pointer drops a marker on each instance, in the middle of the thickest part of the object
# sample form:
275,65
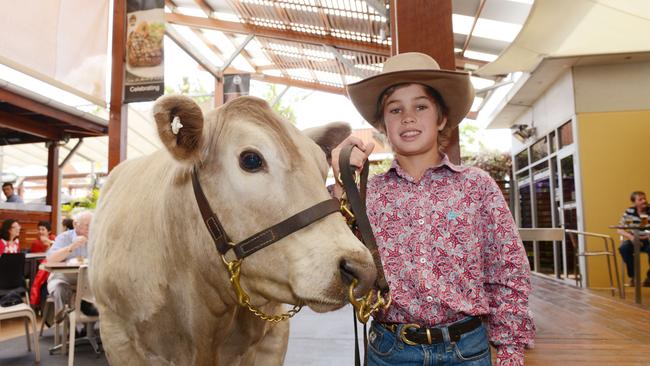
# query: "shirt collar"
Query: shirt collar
444,162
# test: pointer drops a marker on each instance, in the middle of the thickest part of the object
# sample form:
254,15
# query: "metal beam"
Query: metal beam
71,153
469,35
192,52
284,34
299,83
237,52
350,66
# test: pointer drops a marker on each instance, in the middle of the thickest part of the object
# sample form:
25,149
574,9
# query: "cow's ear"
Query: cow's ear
180,126
329,136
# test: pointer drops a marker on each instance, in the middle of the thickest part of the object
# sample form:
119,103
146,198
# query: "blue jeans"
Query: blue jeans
386,348
627,252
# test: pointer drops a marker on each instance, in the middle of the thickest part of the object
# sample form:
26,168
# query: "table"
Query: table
61,267
636,230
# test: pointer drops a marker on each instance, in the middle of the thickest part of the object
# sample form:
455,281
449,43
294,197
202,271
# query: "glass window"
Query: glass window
540,168
525,215
566,134
551,141
568,180
521,160
539,150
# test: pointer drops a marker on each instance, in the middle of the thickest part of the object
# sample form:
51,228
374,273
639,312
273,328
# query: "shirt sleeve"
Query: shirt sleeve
60,242
507,280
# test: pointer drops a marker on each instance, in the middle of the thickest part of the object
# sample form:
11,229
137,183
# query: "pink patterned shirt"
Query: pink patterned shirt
450,248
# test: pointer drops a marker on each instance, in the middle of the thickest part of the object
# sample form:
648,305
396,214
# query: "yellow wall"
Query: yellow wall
614,153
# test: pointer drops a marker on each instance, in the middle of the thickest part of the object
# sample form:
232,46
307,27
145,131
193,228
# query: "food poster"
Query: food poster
145,30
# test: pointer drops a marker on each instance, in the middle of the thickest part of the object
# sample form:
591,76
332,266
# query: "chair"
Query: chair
12,278
83,293
607,252
540,234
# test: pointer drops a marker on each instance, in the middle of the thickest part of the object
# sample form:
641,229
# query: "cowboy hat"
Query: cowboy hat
412,67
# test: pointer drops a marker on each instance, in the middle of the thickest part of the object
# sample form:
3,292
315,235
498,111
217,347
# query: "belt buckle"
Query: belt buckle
402,334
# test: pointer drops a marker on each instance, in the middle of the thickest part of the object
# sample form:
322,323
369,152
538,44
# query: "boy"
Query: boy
449,246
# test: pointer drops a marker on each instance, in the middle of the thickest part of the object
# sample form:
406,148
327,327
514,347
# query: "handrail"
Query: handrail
603,236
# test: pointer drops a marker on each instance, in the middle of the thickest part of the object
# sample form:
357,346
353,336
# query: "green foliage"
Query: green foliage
87,203
379,167
468,131
191,88
282,107
497,164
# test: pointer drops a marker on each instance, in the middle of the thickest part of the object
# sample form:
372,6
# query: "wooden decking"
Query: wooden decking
580,327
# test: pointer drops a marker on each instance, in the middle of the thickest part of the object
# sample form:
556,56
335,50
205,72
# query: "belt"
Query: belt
414,334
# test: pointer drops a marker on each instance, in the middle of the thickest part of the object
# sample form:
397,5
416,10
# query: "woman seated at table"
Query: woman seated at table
9,233
45,238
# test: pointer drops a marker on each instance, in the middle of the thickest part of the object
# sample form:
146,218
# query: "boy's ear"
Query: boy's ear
329,136
442,125
184,143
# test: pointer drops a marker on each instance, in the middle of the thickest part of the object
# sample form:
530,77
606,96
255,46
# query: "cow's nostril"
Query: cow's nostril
347,271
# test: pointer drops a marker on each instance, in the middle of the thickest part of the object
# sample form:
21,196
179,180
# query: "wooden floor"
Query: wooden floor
582,327
574,327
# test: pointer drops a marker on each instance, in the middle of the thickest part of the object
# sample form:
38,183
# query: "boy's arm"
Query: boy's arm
507,280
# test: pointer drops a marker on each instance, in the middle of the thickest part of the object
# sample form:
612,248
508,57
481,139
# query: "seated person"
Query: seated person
45,238
8,190
632,216
67,224
67,245
9,233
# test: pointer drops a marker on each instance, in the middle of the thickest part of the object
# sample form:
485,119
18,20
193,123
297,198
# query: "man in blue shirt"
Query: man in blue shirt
68,245
8,190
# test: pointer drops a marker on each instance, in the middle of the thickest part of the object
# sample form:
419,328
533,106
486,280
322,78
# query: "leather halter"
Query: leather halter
357,199
265,237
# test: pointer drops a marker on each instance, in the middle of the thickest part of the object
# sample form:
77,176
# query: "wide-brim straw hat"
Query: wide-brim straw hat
413,67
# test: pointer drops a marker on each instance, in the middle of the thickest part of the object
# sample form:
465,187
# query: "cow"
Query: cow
161,287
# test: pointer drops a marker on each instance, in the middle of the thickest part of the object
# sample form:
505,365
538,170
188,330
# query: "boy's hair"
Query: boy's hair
443,111
45,224
636,194
8,184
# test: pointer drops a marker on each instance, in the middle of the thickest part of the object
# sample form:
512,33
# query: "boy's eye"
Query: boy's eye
394,110
422,107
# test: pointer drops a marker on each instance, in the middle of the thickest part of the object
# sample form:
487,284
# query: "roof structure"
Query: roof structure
325,44
313,44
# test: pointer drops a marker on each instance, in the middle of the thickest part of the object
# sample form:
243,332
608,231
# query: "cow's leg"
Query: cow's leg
273,347
120,348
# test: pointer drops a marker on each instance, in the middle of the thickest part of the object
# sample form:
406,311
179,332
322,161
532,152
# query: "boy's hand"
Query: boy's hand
358,156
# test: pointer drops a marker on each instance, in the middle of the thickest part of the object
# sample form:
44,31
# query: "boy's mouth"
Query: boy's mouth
410,134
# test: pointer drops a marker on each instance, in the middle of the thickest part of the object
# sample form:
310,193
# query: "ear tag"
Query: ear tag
176,125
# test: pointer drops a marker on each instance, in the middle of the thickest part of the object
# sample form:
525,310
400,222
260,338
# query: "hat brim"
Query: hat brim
455,88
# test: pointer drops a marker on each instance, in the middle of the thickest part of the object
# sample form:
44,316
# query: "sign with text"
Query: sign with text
145,30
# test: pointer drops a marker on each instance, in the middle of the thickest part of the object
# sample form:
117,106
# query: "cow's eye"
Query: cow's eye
251,161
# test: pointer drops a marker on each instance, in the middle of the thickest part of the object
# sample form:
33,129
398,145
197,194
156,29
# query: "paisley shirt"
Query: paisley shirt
450,248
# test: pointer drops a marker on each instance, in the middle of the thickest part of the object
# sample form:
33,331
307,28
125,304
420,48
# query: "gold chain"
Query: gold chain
234,268
367,305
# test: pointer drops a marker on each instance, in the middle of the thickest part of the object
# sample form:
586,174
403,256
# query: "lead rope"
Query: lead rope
354,209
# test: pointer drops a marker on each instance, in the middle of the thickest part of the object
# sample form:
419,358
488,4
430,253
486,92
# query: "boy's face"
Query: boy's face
411,120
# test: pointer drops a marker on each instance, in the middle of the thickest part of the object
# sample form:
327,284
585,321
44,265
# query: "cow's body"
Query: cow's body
162,290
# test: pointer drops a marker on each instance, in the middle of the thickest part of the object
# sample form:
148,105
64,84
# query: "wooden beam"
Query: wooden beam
52,112
192,52
287,35
26,125
410,20
52,186
299,83
117,123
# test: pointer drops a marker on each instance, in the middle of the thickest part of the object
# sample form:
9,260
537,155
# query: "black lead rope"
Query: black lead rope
356,197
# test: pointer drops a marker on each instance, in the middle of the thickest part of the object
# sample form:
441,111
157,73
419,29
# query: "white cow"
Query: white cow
161,287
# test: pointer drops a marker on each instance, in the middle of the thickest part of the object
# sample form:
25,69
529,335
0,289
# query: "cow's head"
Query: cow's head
257,170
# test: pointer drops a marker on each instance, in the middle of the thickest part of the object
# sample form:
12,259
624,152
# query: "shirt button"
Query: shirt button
429,298
421,221
423,260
